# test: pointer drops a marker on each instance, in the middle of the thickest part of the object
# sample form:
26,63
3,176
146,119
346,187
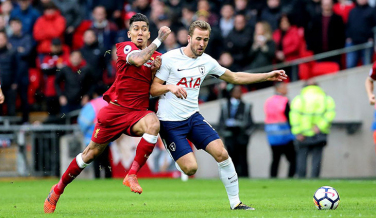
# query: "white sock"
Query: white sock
80,161
229,179
152,139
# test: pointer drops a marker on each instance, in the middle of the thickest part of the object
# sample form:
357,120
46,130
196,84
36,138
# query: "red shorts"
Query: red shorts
115,120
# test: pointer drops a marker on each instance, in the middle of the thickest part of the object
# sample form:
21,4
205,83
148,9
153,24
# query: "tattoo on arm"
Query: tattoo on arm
145,54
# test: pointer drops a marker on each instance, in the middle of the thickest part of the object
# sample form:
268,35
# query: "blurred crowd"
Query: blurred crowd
55,53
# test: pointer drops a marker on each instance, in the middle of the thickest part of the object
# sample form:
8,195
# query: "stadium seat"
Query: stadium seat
314,68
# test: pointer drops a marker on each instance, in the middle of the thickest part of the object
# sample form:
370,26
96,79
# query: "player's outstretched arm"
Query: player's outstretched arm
157,88
242,78
139,58
369,89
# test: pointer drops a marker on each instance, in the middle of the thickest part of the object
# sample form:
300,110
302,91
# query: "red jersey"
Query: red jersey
132,84
372,72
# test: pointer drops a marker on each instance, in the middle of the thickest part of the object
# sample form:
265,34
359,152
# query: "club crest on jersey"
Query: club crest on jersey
127,49
201,69
172,146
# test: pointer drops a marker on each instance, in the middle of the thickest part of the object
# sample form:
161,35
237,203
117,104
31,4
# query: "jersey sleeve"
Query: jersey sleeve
216,69
164,70
124,49
372,72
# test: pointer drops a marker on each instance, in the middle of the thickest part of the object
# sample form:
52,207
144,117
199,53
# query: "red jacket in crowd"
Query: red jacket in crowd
291,43
46,28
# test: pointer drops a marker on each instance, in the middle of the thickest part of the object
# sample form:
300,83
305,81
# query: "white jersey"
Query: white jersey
189,73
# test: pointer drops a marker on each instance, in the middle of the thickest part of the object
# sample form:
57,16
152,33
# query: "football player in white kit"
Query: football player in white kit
178,83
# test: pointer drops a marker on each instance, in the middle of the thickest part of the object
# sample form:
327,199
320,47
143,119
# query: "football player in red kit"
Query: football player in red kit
126,112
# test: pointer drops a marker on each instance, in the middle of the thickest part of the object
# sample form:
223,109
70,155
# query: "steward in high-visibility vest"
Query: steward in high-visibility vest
309,109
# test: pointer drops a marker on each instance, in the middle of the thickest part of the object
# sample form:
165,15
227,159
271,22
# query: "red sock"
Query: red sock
70,174
143,151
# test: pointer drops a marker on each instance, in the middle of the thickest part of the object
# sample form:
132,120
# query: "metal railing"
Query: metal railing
294,64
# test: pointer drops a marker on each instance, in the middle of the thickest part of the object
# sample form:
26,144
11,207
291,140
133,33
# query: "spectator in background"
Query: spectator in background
215,45
142,6
182,37
87,120
278,130
22,44
122,35
113,8
104,29
226,23
49,66
3,25
226,60
312,9
262,51
343,8
94,55
6,8
327,31
188,16
241,7
359,30
110,73
311,115
49,26
8,73
71,12
238,41
204,6
272,13
76,79
27,14
236,125
169,44
288,42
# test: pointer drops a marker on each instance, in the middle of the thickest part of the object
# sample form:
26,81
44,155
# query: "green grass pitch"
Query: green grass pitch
195,198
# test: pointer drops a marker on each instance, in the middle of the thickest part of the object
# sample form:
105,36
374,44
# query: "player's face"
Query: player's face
139,34
198,41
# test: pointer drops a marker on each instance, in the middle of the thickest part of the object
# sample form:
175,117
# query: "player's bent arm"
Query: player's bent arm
157,88
139,58
242,78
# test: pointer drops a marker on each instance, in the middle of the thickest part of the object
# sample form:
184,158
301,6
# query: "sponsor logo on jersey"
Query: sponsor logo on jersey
189,83
127,49
172,146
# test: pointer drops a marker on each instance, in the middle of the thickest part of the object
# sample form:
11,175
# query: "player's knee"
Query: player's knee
221,155
190,170
153,125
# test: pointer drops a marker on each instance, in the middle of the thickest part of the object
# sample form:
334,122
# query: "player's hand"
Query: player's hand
63,100
163,33
2,98
156,63
371,99
178,91
277,76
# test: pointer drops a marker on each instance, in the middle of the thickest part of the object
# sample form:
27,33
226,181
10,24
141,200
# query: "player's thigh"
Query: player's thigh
201,132
217,149
174,137
146,124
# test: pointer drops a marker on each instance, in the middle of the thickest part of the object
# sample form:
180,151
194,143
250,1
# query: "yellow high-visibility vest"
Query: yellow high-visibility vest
312,107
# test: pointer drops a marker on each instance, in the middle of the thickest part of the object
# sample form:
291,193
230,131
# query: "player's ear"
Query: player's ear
129,34
189,38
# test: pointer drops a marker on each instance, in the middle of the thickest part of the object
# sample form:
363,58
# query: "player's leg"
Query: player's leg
148,128
205,137
79,163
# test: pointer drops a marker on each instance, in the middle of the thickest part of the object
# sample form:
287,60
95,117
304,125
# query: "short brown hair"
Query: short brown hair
199,24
